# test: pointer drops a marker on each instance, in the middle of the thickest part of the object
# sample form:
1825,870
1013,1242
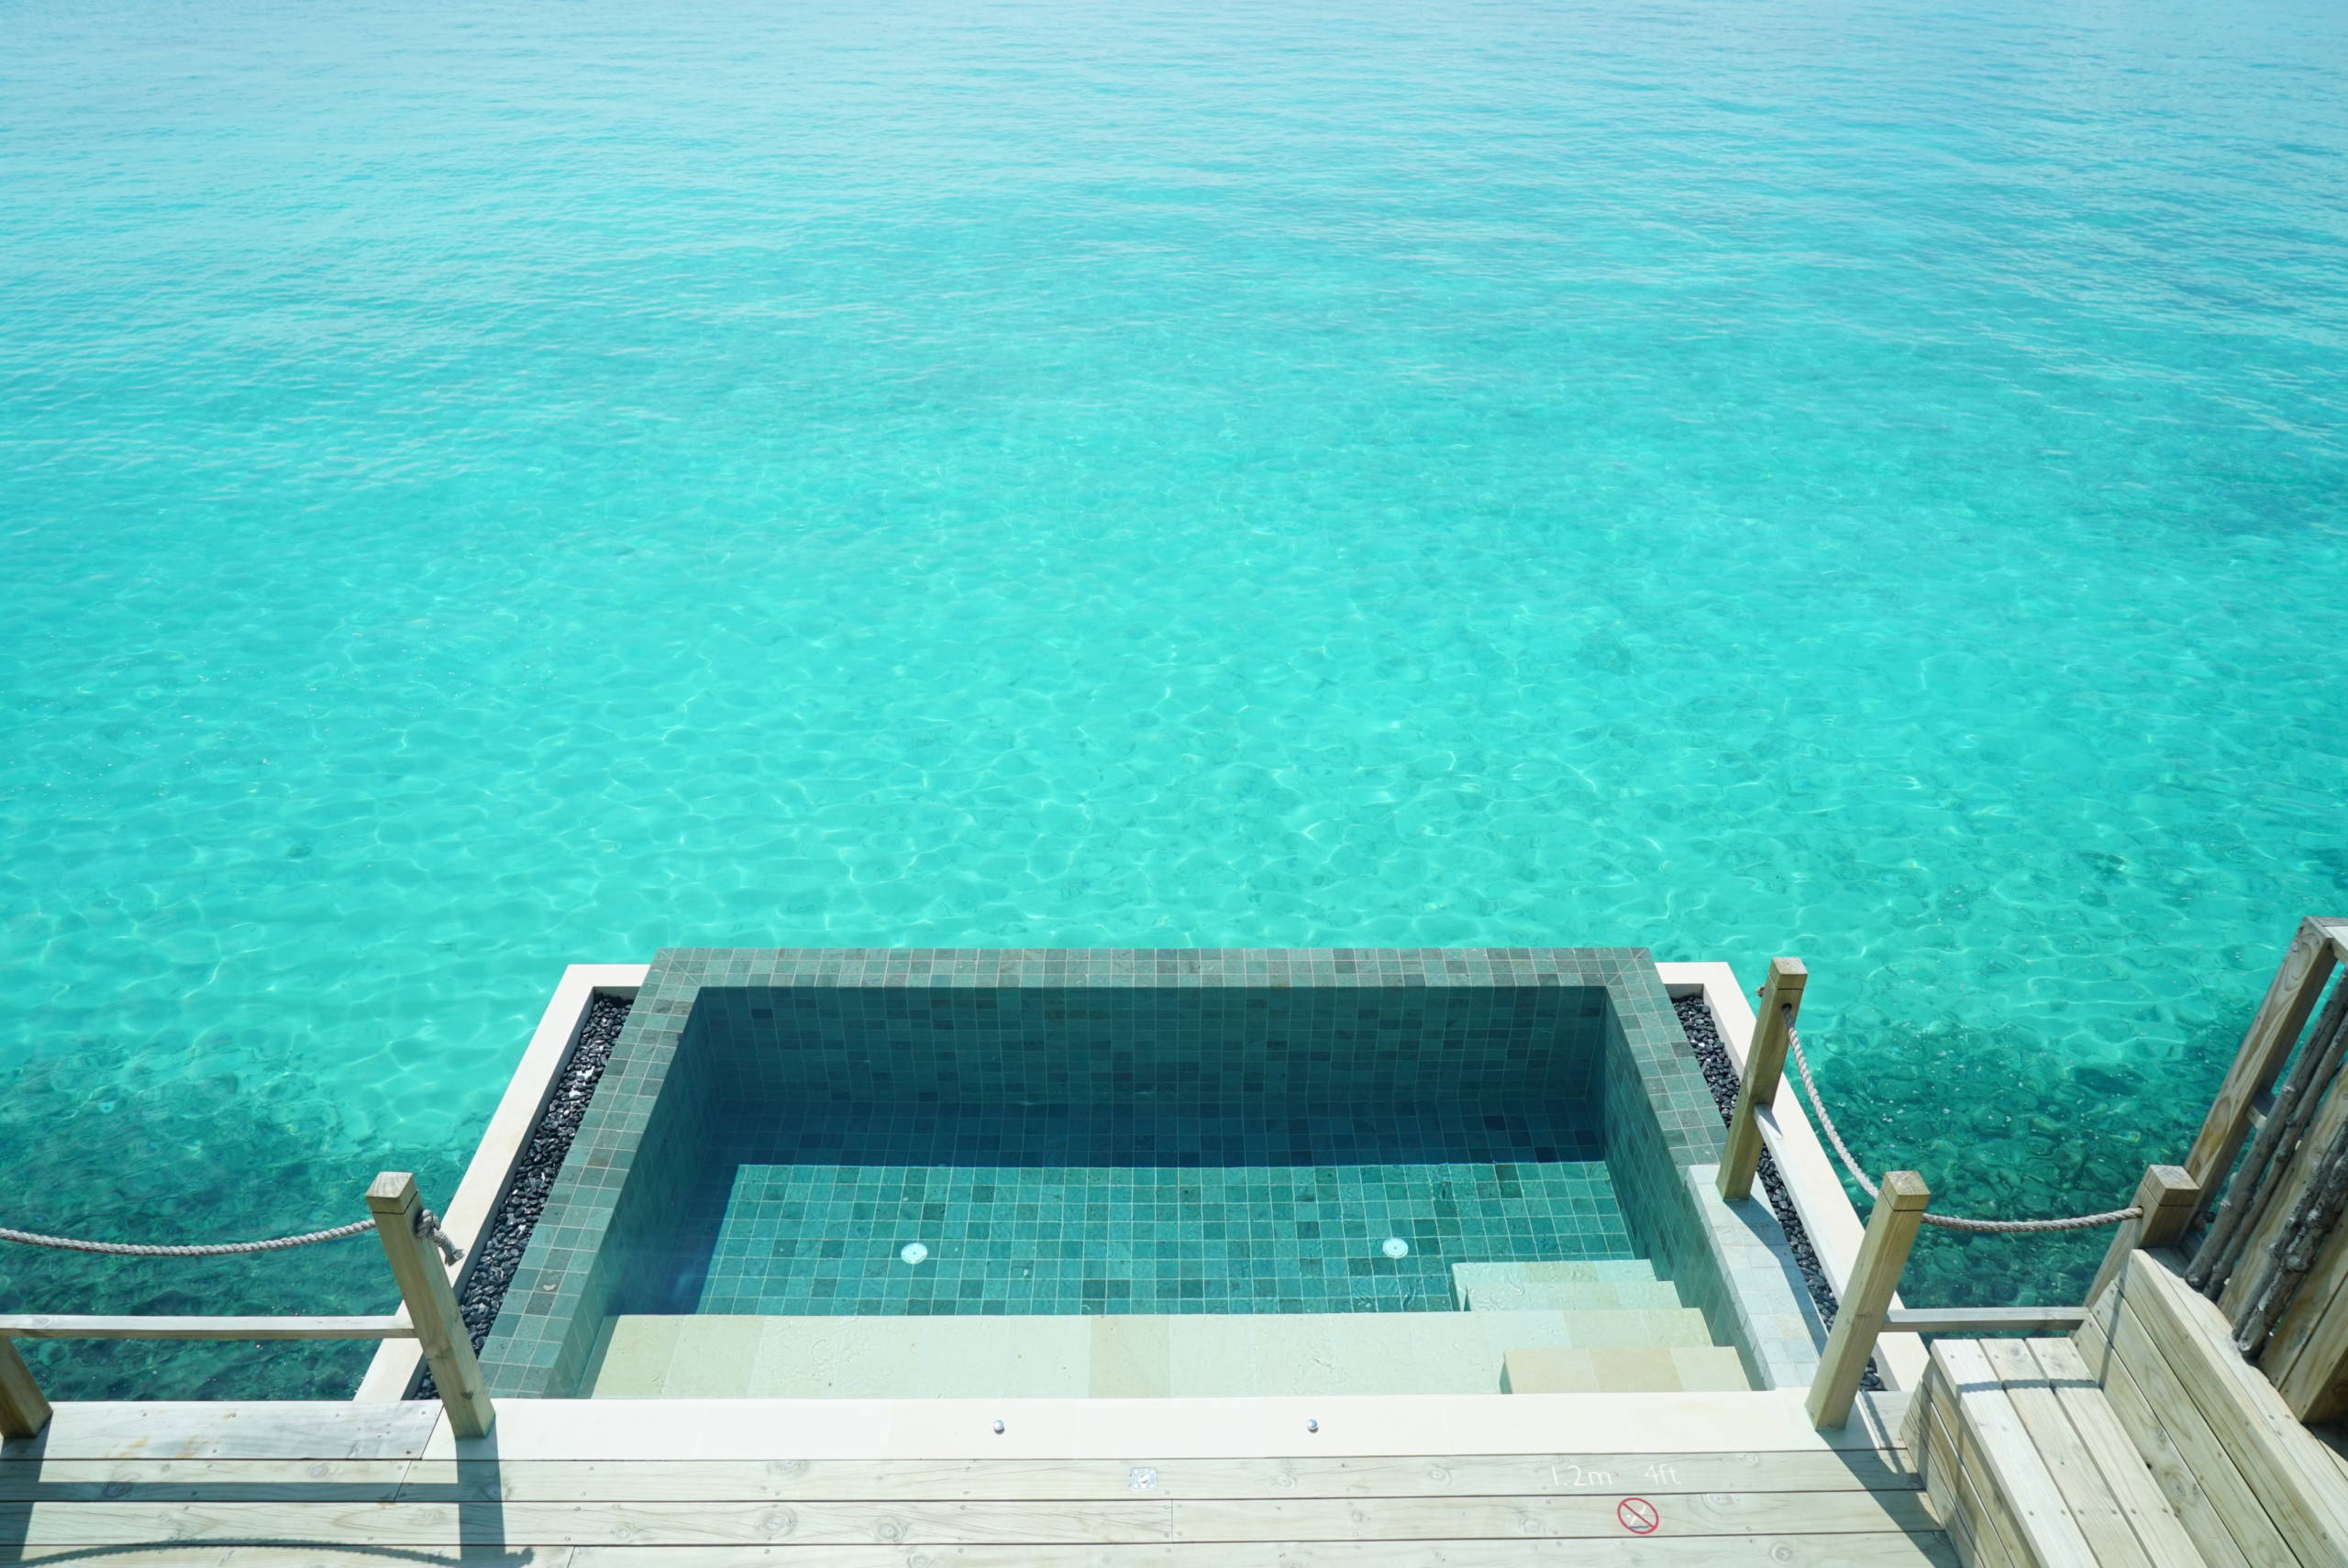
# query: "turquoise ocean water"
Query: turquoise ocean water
484,487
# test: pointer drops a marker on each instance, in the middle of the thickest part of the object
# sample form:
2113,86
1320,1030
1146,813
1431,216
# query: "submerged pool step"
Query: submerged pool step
1625,1369
1469,1279
1534,1296
715,1356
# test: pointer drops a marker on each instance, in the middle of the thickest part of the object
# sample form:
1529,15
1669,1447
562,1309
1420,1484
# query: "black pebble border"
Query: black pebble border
1720,1077
509,1233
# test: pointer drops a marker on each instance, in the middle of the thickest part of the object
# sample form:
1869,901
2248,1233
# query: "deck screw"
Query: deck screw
1311,1426
998,1427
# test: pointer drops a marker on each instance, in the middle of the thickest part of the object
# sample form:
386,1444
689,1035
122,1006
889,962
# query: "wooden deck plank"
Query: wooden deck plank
1659,1551
1963,1491
725,1524
2094,1507
2197,1476
193,1429
192,1480
1710,1551
1996,1436
2284,1466
2138,1496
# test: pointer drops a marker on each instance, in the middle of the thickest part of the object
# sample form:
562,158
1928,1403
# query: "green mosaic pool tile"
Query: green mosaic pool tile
803,1240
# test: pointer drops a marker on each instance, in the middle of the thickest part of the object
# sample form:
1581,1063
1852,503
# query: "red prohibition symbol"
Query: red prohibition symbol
1638,1515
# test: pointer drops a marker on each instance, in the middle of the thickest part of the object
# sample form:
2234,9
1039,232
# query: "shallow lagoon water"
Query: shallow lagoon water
487,487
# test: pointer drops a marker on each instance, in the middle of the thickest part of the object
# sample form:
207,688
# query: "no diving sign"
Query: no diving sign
1638,1515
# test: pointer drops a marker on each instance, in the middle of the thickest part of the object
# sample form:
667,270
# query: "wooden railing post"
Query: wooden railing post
2290,997
440,1329
2170,1198
1866,1297
23,1409
1764,1064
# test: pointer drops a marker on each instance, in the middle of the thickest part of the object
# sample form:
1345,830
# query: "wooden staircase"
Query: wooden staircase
2144,1441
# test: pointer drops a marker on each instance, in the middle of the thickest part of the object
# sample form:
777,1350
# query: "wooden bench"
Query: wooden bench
2144,1441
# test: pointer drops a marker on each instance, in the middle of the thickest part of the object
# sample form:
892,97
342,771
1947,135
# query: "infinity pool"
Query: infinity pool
487,487
816,1134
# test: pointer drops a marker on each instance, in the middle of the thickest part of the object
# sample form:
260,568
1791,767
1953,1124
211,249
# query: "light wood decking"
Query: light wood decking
571,1484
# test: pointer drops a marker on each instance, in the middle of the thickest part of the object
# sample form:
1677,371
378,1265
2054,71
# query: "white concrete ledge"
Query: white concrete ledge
393,1373
1246,1428
1835,1228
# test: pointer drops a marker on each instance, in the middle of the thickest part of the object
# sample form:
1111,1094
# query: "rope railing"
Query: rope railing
427,1226
410,1233
1946,1222
1864,1308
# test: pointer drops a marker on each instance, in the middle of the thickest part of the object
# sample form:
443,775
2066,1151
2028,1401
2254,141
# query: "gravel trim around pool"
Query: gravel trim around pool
508,1235
1720,1076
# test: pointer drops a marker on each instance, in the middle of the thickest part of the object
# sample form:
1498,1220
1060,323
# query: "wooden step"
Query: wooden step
2027,1462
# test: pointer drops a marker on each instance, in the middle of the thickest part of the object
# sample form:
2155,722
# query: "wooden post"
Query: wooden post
23,1411
2291,996
440,1329
2170,1198
1866,1295
1765,1065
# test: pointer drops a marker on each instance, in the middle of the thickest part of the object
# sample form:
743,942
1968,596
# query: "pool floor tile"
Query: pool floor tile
805,1240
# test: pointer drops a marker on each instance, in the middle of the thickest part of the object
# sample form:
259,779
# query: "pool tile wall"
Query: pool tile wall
1647,1155
1232,1045
943,1031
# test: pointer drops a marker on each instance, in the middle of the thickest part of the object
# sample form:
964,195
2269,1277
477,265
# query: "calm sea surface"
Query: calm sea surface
484,487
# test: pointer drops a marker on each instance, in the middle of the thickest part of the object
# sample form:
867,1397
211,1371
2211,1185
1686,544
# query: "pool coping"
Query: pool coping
1835,1227
399,1363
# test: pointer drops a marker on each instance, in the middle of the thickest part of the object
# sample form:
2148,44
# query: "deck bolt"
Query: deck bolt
1311,1426
998,1427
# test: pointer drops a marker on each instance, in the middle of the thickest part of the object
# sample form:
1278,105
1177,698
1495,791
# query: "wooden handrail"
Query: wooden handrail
428,1315
1764,1066
2320,946
2165,1195
64,1326
1982,1319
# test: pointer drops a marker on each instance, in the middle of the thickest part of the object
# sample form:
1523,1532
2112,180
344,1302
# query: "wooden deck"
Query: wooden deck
721,1484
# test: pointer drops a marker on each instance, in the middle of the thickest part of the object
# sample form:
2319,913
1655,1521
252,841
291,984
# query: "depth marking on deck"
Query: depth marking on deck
1638,1515
1580,1477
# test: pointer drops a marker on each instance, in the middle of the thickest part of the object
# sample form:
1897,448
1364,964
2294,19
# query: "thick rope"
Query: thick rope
427,1226
1946,1222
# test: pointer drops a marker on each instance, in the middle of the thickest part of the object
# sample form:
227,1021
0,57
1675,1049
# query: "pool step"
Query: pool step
1626,1332
1626,1369
1535,1295
1140,1357
1468,1278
